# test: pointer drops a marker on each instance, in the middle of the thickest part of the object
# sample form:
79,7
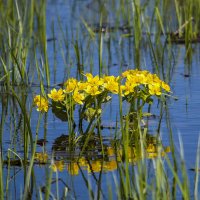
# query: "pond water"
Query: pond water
68,18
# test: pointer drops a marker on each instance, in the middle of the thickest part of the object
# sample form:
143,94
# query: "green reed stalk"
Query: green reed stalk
87,183
176,181
196,185
41,22
27,127
136,8
100,49
125,146
30,169
154,55
54,51
185,180
8,176
48,184
179,18
1,177
174,168
3,120
78,58
159,19
6,71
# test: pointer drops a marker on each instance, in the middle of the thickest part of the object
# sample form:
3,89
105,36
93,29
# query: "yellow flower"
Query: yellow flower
154,89
73,169
112,87
94,81
78,97
70,85
82,86
108,79
58,166
36,99
165,86
126,73
93,90
56,95
41,157
41,103
129,87
142,79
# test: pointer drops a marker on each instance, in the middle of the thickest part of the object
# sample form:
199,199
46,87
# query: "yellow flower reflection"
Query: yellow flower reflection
58,166
41,103
110,151
95,166
73,168
110,165
41,157
83,162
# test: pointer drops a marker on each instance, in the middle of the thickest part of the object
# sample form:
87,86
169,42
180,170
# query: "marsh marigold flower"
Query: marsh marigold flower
93,90
78,97
165,86
128,87
36,99
111,83
154,89
81,86
94,81
70,85
56,95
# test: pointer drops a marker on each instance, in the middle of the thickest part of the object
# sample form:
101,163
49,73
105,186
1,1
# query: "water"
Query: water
118,56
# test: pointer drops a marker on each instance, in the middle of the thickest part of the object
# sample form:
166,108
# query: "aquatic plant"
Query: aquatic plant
135,87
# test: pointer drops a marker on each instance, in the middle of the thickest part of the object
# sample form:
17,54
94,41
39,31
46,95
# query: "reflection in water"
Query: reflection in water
58,166
106,160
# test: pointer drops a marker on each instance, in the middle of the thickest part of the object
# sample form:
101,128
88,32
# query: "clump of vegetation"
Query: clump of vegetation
134,86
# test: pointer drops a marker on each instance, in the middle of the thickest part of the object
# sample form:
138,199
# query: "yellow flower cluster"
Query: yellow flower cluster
136,78
125,85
